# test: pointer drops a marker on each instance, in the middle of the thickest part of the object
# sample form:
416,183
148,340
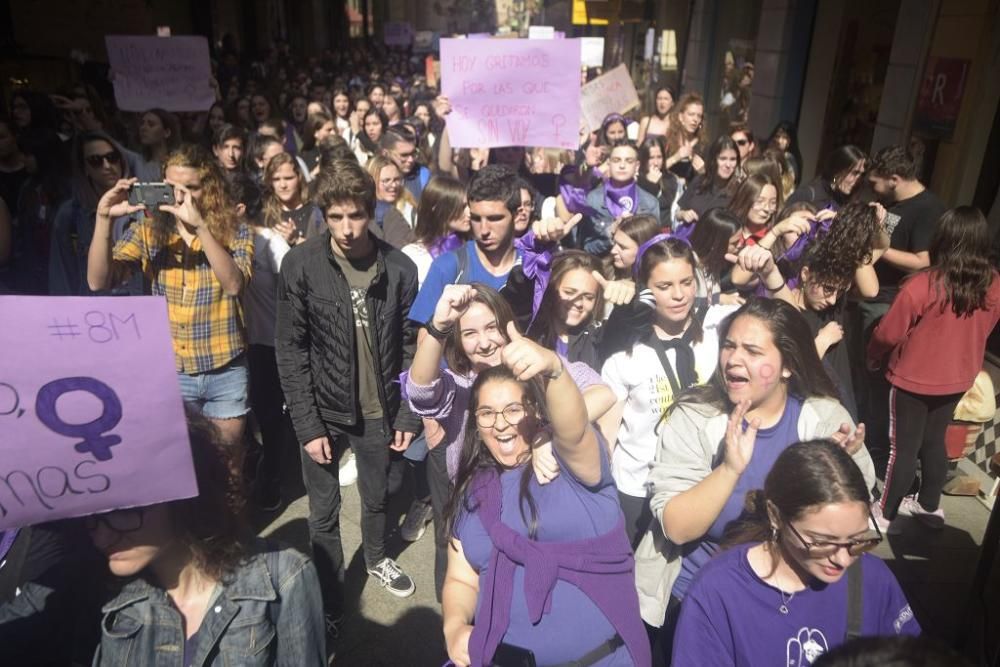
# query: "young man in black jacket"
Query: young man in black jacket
343,337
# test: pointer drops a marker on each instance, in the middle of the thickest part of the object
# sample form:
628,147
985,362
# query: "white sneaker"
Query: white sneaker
913,507
348,473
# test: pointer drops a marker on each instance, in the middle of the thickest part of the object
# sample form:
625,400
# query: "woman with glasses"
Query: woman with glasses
783,593
617,198
193,578
537,574
721,439
843,172
394,205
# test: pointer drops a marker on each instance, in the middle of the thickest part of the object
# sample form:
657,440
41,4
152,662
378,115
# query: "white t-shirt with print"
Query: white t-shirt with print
638,378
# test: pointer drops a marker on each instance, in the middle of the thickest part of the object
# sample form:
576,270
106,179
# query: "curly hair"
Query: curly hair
676,134
214,203
893,161
835,255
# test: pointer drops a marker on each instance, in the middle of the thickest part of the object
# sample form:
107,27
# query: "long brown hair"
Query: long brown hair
442,201
458,362
748,192
676,134
214,204
476,458
805,477
792,337
272,205
960,264
543,329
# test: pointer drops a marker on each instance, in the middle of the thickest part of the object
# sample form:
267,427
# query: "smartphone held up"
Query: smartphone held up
151,195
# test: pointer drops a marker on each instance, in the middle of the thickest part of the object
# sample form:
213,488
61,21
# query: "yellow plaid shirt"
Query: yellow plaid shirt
206,324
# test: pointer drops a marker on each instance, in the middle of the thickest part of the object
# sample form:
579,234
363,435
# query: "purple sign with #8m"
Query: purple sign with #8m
91,417
512,92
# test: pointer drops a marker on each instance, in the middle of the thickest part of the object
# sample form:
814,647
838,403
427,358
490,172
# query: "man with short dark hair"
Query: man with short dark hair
343,337
399,145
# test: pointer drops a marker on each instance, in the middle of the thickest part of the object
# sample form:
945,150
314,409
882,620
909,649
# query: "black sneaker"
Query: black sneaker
391,577
417,518
333,625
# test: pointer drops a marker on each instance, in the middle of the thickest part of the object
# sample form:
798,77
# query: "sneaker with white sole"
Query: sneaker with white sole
913,508
886,526
391,577
348,472
417,518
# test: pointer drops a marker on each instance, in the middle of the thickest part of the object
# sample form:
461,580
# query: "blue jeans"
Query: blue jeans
221,393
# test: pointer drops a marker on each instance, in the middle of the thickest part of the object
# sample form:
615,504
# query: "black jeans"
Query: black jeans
440,489
874,409
917,426
268,404
370,441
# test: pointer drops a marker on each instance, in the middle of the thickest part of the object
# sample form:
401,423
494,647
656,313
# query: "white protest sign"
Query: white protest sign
612,92
515,92
91,417
171,73
541,32
592,51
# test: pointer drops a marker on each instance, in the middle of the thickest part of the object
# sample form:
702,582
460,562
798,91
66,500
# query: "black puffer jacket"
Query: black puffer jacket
315,337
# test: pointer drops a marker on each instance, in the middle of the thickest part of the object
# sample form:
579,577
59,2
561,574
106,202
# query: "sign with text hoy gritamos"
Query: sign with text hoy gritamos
91,417
512,92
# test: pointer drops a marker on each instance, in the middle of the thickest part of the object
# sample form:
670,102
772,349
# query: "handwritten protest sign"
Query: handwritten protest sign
518,92
592,51
171,73
397,33
612,92
91,417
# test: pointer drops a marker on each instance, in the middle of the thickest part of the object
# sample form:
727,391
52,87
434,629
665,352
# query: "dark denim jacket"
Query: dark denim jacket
260,618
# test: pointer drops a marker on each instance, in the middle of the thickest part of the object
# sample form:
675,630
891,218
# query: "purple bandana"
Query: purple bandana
574,188
621,199
650,243
7,538
817,230
445,244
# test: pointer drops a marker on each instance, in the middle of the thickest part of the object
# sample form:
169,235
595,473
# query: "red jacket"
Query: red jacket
932,351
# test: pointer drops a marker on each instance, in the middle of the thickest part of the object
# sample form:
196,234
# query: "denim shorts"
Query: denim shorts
221,393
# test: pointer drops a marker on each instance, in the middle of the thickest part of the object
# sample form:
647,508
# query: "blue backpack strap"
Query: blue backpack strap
425,176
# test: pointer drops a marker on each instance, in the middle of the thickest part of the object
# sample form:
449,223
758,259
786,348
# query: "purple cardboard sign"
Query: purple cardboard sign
91,417
512,92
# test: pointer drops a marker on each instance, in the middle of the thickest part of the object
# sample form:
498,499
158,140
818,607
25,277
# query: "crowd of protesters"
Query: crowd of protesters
658,398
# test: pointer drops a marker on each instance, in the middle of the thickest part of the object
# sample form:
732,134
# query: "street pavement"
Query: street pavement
934,569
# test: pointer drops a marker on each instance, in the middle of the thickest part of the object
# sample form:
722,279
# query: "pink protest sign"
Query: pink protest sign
91,417
512,92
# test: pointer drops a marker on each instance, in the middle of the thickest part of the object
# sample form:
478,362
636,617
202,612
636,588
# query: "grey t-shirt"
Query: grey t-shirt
359,274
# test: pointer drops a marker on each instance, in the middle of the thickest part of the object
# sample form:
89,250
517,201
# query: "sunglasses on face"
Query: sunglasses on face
112,158
741,142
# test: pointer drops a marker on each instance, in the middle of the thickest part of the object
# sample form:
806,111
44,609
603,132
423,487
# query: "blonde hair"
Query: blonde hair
272,205
375,167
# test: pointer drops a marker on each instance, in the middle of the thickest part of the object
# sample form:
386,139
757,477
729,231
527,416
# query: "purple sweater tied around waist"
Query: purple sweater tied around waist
602,567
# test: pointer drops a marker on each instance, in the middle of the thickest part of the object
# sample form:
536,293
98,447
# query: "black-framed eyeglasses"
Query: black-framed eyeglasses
112,158
119,521
821,548
512,414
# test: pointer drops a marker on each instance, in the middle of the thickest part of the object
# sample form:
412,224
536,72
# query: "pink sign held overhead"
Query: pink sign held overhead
91,417
513,92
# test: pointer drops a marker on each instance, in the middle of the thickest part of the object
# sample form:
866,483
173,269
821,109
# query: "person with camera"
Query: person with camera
198,254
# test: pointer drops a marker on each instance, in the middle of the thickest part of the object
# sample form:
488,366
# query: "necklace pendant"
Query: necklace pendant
783,609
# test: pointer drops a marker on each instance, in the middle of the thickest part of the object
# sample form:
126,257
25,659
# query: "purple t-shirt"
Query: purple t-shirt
730,615
567,511
768,446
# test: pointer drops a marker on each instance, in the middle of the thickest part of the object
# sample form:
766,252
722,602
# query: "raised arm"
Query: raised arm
572,435
113,204
454,301
755,260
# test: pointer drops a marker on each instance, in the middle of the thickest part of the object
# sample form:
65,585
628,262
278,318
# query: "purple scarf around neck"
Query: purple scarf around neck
621,199
574,188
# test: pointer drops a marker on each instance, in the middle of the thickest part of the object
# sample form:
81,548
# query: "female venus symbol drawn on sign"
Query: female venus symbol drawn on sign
93,433
557,122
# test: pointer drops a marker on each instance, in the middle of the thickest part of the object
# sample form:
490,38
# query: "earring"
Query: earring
774,534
